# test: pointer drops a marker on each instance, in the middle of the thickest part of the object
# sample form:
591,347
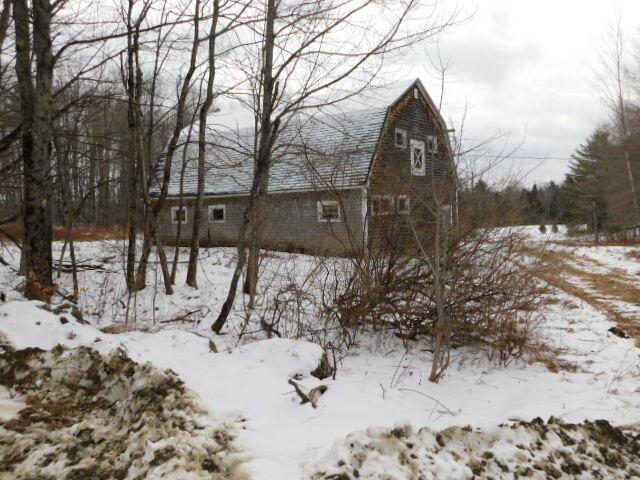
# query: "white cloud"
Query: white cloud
527,66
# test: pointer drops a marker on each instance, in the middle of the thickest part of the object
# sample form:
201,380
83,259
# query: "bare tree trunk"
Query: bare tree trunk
253,259
443,329
150,227
176,252
192,268
74,264
5,16
154,212
632,183
596,230
267,133
620,107
134,94
35,107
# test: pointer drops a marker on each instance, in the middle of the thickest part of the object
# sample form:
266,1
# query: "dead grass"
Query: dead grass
556,267
551,357
117,328
82,233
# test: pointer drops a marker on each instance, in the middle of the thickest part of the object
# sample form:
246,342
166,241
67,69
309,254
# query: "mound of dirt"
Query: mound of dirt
89,416
531,450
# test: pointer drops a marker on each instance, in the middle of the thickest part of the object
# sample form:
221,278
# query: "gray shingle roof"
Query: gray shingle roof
311,153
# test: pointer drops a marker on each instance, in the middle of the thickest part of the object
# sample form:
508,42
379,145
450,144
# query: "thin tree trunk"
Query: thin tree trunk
134,78
35,107
192,268
147,178
437,366
74,264
267,133
4,28
154,212
176,253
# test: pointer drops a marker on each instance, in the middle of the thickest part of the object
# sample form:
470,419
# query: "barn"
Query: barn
338,181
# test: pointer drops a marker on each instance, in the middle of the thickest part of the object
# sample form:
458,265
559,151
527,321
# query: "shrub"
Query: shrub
485,301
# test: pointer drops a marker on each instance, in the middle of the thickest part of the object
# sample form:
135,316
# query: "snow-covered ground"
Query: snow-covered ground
595,375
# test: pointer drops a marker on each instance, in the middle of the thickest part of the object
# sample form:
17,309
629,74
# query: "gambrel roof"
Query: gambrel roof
313,152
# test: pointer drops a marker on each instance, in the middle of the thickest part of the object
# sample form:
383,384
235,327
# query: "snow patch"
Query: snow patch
10,404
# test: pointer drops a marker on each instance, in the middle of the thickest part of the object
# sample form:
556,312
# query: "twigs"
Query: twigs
185,317
312,397
449,411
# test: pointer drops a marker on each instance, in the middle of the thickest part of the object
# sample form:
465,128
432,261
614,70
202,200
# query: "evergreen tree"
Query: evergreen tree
585,184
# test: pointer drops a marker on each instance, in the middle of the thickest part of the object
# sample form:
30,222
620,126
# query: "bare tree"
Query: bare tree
152,212
304,60
176,251
132,78
35,108
613,84
202,132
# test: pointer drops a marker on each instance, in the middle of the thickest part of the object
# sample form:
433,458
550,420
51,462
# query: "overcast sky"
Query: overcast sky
525,66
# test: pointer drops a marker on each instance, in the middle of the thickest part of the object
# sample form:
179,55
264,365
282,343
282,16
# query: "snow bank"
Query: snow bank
534,450
31,324
90,416
288,358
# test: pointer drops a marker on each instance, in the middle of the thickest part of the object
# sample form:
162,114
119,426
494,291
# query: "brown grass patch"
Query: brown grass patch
116,328
81,233
555,268
551,358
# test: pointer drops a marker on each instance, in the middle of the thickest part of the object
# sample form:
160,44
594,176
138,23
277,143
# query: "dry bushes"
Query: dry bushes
475,293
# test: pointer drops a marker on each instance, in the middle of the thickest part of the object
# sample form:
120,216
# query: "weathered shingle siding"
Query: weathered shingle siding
291,222
391,171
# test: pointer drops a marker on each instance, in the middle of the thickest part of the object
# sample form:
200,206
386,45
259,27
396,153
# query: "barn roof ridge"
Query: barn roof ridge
317,151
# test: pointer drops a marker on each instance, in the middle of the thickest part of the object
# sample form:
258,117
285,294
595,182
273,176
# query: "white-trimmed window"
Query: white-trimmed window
403,204
328,211
178,215
416,95
217,213
432,144
401,138
417,157
382,204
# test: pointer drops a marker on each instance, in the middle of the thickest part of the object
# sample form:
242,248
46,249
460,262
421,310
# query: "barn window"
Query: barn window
401,138
178,215
217,213
416,95
417,157
432,144
403,204
382,204
328,211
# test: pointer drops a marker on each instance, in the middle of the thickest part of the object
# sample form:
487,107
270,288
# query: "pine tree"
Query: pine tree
585,184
